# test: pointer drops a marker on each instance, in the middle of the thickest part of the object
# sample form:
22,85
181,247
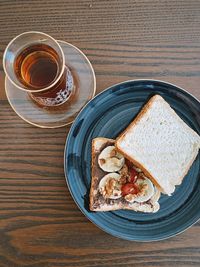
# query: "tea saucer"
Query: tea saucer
49,117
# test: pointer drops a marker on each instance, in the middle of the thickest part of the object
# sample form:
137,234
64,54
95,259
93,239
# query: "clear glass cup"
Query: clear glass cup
33,49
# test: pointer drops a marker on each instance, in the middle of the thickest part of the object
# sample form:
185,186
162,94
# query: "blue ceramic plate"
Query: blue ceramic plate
107,115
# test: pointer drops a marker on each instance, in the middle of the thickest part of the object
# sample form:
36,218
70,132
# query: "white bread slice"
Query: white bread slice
160,143
98,203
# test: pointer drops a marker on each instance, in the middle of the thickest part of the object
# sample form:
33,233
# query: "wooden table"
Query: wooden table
40,225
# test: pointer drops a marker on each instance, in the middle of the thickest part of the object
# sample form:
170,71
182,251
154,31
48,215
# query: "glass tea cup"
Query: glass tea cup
35,62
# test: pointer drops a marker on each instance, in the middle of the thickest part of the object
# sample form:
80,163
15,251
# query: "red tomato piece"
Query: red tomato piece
133,175
129,188
129,164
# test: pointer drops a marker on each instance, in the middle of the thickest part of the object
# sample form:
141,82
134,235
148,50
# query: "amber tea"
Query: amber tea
37,66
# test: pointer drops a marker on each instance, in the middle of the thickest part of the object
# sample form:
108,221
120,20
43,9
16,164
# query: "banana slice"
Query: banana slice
147,193
110,186
156,195
110,160
156,207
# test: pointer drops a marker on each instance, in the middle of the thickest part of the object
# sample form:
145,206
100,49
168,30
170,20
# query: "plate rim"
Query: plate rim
65,169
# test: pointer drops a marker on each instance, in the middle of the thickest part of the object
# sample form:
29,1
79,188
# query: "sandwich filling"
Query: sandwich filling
123,180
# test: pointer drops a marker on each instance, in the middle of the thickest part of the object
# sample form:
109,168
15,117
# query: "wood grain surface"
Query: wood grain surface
40,225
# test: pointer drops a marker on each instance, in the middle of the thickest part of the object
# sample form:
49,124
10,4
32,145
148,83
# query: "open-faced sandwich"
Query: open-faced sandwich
152,155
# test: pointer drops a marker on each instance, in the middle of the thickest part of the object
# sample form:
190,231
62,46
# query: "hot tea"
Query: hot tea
37,66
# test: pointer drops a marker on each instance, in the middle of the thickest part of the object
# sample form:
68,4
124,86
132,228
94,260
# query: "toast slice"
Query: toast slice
97,201
160,143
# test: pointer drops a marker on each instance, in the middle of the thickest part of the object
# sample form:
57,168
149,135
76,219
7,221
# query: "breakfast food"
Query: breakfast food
117,183
160,143
152,155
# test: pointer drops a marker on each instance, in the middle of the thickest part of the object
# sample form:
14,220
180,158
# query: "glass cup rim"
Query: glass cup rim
30,90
